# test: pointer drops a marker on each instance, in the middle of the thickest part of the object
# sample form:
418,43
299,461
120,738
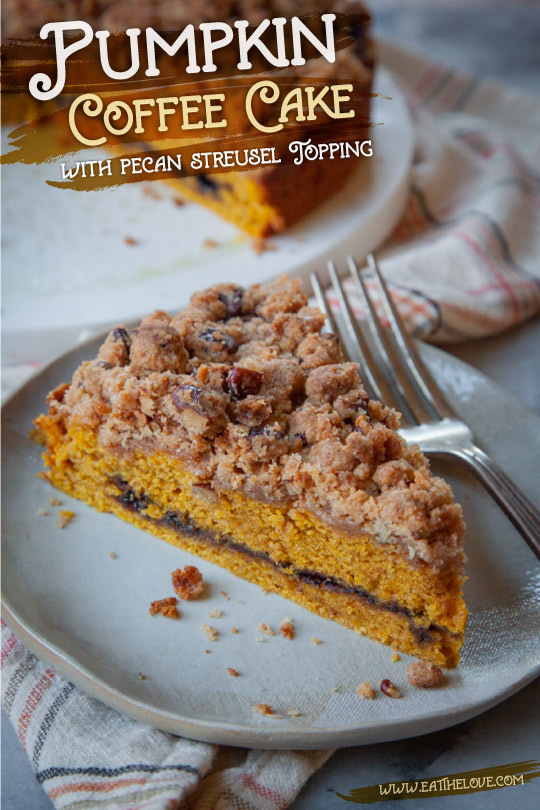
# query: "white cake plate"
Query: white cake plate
69,264
87,614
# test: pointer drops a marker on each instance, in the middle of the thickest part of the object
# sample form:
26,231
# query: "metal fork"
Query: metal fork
394,373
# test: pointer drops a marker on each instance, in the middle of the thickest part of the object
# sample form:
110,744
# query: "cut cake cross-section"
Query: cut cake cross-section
235,431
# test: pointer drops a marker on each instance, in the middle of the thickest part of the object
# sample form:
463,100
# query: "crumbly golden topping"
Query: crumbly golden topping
247,391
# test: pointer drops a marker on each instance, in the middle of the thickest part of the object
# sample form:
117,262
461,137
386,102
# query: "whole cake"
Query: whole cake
235,431
264,200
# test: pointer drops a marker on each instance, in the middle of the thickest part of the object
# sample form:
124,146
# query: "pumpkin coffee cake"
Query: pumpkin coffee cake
234,430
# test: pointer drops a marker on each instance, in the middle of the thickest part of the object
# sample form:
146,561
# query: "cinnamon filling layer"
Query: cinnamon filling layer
129,499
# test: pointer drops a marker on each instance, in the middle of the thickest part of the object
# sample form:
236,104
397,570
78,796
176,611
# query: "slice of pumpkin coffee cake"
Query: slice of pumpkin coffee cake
235,431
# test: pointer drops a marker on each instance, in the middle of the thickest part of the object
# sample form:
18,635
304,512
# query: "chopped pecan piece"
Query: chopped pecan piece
388,688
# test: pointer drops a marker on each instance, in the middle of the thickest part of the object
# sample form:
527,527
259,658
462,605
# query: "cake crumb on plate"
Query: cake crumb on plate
209,244
233,672
366,691
262,627
263,708
216,613
167,607
211,632
187,582
286,629
65,516
424,674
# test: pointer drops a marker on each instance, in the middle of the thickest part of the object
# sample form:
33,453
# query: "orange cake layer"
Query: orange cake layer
234,430
269,200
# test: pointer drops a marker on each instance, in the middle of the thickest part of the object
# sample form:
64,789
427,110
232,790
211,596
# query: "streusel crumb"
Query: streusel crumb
263,708
366,691
286,629
65,516
187,583
262,627
424,674
167,607
233,672
215,614
211,632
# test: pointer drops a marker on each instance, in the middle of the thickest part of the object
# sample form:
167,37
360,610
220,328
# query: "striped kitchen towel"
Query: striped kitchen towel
463,262
88,756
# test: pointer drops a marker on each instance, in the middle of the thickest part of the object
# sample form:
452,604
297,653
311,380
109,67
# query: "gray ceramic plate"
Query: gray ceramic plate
87,614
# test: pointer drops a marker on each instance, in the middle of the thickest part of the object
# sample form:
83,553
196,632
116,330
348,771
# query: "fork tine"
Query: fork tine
425,384
358,340
323,305
405,395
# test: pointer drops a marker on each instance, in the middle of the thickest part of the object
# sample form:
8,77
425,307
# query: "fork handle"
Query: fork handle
517,507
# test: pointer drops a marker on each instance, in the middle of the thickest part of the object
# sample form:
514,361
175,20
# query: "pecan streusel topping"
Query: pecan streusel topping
243,387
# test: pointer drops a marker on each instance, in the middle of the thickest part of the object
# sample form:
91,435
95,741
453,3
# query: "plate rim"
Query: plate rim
263,737
229,733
